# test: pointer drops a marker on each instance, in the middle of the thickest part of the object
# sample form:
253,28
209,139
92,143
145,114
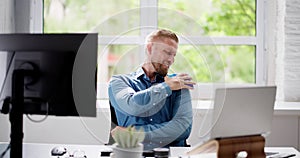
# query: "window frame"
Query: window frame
149,20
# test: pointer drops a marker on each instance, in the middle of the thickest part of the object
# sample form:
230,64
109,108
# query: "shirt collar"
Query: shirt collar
141,73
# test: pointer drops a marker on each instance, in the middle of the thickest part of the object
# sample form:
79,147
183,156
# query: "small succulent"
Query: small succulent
128,137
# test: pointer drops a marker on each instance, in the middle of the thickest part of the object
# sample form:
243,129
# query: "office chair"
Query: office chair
113,123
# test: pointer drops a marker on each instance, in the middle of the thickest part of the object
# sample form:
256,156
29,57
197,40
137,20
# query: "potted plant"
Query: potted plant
128,142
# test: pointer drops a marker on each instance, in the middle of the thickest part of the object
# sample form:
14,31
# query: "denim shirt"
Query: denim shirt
165,115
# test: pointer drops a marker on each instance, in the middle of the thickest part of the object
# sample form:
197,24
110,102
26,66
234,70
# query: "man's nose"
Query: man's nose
171,60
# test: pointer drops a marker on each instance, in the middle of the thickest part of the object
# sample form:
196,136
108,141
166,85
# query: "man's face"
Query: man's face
162,55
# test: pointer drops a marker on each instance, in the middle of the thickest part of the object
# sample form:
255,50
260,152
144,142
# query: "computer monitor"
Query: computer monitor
62,80
49,74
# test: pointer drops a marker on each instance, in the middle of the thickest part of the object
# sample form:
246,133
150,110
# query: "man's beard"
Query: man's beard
161,69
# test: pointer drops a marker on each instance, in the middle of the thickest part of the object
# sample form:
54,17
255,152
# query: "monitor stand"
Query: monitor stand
244,146
16,112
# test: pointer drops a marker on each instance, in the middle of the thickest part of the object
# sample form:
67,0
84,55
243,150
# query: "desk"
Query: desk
176,151
33,150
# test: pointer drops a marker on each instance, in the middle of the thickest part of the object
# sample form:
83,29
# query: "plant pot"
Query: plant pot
119,152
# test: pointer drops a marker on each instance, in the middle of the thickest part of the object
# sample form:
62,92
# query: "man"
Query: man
149,99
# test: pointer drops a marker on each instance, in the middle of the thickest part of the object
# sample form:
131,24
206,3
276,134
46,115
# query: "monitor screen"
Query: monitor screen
62,78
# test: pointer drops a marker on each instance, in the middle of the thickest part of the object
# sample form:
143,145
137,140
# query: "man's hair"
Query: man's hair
160,34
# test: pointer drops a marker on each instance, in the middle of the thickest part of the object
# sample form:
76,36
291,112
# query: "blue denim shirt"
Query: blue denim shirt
165,115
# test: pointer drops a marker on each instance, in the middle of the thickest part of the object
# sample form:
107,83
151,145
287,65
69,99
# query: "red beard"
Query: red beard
161,69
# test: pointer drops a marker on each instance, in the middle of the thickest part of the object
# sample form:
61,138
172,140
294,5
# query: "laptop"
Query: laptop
241,111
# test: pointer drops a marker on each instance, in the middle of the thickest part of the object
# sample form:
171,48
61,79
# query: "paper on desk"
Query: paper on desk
181,152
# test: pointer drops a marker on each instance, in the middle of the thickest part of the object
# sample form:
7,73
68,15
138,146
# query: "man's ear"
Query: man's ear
149,48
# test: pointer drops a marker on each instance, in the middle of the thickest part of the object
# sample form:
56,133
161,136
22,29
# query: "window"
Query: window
221,42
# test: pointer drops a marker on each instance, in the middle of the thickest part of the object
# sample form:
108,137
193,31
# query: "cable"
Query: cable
7,71
6,105
43,119
28,65
37,121
5,151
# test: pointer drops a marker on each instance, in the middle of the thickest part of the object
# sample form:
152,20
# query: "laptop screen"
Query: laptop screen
242,111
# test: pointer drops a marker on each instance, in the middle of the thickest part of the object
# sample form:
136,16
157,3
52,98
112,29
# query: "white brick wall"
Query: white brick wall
291,55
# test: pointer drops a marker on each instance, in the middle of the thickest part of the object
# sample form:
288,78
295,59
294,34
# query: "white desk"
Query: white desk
176,151
32,150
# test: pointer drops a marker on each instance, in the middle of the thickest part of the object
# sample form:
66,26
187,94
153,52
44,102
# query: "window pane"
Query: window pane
117,59
220,64
113,18
209,17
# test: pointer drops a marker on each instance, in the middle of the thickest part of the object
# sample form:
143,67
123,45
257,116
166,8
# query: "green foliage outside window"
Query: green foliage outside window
206,63
215,63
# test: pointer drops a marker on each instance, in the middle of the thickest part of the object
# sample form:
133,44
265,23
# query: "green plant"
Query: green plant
128,137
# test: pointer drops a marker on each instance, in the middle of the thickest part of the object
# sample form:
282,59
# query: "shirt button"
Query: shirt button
160,142
151,119
153,103
166,95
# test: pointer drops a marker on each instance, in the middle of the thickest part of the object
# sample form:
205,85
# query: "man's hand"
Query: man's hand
180,81
116,129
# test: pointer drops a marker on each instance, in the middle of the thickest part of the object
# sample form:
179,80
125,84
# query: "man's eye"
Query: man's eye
168,52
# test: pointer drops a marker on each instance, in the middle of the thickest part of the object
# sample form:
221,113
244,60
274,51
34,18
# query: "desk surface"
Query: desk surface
33,150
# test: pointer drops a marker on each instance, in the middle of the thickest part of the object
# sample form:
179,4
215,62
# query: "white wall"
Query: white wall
62,130
284,132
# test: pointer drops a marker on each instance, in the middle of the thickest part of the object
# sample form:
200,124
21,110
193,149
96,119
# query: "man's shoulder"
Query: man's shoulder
132,75
120,76
123,78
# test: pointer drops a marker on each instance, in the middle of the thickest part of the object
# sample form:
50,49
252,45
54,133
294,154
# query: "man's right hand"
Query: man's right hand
116,129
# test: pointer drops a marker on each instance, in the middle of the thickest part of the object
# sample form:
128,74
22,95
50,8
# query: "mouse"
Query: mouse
58,151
